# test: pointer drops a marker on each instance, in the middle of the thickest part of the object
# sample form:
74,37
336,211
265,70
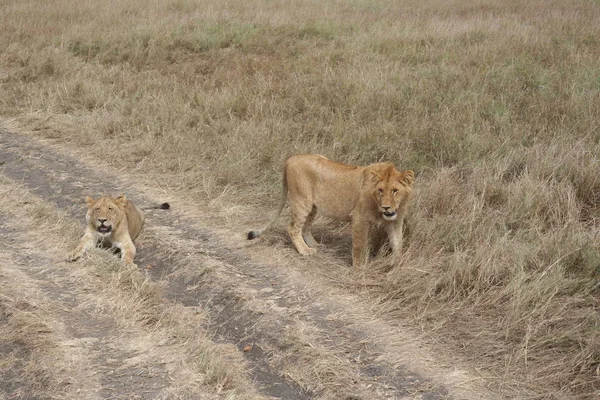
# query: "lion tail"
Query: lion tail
162,206
257,233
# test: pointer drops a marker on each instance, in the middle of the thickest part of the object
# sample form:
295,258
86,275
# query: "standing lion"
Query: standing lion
375,195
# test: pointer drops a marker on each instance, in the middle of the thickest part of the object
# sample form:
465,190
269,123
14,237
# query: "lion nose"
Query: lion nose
385,208
102,220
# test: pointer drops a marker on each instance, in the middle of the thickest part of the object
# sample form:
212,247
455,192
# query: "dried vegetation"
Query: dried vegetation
495,104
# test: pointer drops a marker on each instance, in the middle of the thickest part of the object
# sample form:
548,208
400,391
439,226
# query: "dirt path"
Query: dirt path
308,340
97,358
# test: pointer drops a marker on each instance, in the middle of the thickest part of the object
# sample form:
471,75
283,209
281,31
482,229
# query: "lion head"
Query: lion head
105,213
391,190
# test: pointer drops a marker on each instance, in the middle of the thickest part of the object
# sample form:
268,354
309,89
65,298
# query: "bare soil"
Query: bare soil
299,338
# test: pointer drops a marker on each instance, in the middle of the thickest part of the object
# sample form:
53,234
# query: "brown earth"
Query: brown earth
299,336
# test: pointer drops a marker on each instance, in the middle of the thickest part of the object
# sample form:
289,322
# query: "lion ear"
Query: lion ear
89,201
407,177
121,200
373,176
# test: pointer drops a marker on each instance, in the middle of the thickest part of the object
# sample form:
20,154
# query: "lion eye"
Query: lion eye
110,208
380,190
394,191
97,209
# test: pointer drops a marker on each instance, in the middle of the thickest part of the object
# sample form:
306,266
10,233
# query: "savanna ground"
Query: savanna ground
494,104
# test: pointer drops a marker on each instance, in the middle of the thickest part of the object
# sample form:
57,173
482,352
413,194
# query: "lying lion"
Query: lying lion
373,196
112,223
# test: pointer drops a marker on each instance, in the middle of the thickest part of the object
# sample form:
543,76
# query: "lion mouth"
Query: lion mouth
389,215
104,229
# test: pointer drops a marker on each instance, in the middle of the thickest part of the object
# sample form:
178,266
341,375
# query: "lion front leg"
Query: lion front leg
127,249
360,239
394,232
86,243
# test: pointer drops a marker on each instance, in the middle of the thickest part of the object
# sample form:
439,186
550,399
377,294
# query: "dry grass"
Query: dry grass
27,344
495,104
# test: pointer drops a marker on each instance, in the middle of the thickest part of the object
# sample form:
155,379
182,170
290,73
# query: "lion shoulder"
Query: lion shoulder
135,219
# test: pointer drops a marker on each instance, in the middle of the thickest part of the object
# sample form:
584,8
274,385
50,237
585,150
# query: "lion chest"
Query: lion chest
105,240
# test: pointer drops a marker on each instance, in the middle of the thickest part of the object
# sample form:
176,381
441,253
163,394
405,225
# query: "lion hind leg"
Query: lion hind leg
300,216
306,230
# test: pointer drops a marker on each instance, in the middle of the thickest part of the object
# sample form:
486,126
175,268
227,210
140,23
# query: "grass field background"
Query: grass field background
494,104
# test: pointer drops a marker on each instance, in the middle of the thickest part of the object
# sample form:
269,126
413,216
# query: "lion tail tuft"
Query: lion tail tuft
253,234
162,206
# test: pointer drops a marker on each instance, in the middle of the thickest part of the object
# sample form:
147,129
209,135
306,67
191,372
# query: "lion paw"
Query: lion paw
313,244
308,251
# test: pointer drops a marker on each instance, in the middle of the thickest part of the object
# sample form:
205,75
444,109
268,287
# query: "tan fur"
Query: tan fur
373,196
111,222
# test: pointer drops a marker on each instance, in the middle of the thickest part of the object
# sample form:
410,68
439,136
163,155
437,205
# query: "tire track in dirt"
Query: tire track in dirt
63,181
97,364
248,303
